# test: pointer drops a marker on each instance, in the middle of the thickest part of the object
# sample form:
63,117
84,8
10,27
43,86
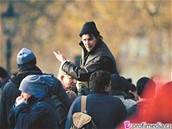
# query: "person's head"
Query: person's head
144,85
67,81
89,35
3,74
33,85
119,83
99,81
25,57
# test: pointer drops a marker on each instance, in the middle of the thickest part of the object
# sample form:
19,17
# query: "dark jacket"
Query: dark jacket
38,115
3,82
100,58
56,89
60,99
107,111
10,92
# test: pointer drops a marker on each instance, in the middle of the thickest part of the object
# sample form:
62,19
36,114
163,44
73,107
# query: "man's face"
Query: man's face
68,81
88,41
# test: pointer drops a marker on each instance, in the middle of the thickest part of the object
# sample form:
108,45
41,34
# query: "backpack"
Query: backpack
81,120
60,111
54,90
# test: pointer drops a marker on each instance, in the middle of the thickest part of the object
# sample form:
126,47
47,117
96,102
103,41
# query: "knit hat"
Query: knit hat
24,56
33,85
89,28
38,85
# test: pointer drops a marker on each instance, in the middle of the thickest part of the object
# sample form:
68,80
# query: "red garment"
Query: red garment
159,109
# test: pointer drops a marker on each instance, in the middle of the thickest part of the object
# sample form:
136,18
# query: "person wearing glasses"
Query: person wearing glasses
95,56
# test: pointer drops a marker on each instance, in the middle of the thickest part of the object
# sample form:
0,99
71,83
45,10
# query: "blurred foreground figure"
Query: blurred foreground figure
146,93
158,109
162,105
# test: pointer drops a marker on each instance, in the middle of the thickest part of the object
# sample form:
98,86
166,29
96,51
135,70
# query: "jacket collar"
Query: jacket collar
95,92
17,77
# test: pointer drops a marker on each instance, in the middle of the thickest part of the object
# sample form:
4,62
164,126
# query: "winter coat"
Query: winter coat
100,58
10,92
38,115
60,99
107,111
3,82
56,89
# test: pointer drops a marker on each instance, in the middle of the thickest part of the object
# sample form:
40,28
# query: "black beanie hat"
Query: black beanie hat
89,28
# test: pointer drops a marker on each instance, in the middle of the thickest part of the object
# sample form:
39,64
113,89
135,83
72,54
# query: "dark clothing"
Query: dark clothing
3,82
100,58
10,92
57,90
72,95
126,101
39,115
61,101
107,111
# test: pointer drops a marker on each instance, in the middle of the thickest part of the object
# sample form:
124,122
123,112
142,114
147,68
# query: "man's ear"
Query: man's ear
61,77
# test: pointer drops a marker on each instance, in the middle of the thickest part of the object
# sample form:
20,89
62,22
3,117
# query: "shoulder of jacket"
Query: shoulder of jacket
41,105
9,84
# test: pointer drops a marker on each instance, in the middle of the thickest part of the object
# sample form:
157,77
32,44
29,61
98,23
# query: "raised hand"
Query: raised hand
59,56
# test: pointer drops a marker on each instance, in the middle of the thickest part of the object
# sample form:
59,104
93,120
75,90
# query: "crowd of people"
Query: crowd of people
31,99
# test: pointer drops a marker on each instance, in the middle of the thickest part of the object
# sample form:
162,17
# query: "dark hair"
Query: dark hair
132,87
130,80
143,83
98,37
99,80
3,73
119,83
